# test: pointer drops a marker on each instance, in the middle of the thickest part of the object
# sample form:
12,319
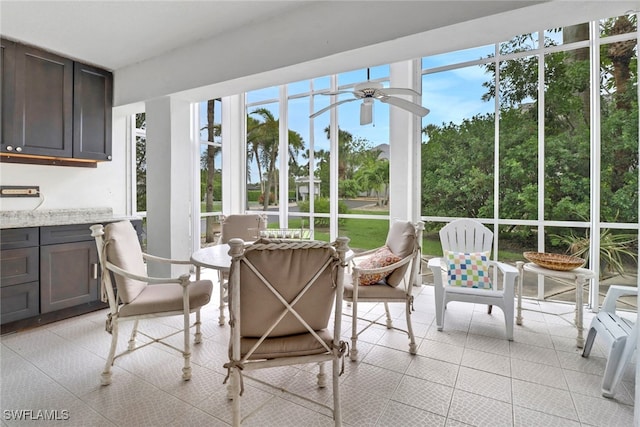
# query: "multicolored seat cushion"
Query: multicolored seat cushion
469,270
383,257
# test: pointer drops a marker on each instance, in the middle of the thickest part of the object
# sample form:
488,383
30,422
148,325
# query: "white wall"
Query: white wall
65,187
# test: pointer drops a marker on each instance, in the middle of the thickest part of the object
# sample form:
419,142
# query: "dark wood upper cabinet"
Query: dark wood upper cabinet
8,92
92,104
53,107
44,103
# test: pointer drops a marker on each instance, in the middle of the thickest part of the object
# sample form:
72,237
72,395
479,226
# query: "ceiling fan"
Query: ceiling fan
368,92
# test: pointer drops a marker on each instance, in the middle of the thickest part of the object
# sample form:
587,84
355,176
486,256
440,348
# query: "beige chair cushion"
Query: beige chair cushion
245,227
167,297
289,271
288,346
401,240
123,250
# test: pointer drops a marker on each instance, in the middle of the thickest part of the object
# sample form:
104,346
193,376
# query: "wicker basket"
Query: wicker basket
558,262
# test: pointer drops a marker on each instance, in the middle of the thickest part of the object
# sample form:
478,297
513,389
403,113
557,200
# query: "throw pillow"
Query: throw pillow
468,269
383,257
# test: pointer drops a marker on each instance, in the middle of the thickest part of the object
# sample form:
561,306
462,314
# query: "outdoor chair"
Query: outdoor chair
463,273
240,226
137,296
385,275
281,296
618,334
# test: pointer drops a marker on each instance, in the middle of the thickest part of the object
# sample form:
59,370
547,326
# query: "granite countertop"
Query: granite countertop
37,218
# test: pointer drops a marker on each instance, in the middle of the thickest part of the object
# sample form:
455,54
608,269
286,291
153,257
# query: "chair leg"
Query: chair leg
222,289
235,392
106,374
186,354
337,413
591,337
353,353
440,306
412,339
613,361
322,376
388,313
132,339
198,336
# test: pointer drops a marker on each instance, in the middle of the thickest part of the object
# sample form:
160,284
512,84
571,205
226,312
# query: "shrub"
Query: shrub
321,205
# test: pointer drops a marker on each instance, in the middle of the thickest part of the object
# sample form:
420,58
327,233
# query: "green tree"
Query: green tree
263,146
208,164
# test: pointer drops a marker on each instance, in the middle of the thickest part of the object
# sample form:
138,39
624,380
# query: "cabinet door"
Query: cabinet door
8,93
18,302
68,275
43,102
92,104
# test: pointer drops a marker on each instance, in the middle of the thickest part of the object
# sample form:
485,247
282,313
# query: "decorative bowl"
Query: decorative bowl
558,262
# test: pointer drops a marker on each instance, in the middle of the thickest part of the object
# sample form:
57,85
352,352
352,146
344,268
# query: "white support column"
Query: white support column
405,149
405,146
234,155
169,182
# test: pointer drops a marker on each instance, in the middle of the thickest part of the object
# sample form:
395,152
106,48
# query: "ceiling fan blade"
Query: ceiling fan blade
399,91
317,113
338,92
416,109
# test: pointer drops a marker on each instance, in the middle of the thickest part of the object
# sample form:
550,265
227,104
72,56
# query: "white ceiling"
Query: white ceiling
203,49
116,34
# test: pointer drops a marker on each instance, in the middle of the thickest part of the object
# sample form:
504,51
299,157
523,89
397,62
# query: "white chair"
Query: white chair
138,296
281,297
618,334
237,226
385,275
466,244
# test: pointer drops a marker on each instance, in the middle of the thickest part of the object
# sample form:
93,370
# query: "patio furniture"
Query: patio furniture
137,296
385,275
463,273
618,334
240,226
579,276
281,295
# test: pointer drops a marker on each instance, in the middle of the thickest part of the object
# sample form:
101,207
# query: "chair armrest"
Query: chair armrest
505,268
150,257
615,292
147,279
391,267
435,265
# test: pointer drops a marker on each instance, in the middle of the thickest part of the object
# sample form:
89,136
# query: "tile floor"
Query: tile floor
467,375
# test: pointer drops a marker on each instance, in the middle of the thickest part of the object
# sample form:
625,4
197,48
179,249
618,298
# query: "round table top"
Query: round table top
570,274
216,256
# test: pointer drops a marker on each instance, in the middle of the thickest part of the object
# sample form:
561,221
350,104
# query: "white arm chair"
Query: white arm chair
617,333
385,275
467,236
281,298
137,296
238,226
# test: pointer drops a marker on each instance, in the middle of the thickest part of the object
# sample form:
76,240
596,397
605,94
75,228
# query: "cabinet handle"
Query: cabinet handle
94,271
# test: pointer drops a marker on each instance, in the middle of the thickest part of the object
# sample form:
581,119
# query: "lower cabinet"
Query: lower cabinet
48,273
68,275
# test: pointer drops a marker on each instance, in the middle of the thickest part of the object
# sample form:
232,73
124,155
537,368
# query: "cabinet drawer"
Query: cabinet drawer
55,234
68,275
19,266
14,238
19,302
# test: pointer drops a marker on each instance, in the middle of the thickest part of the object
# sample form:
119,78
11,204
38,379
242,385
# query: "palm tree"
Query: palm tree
263,144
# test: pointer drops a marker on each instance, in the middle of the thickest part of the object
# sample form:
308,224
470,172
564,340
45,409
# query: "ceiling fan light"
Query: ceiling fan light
366,111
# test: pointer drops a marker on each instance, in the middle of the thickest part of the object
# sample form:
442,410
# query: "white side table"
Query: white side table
578,275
